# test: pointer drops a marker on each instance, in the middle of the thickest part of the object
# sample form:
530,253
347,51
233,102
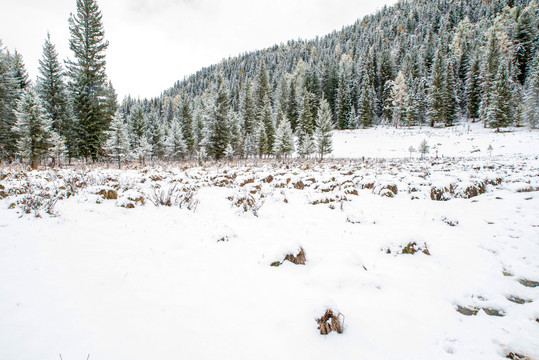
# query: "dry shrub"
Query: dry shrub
299,259
411,249
248,181
247,202
299,185
330,322
174,196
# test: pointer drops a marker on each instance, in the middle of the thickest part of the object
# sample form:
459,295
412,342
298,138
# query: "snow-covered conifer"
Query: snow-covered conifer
324,128
33,127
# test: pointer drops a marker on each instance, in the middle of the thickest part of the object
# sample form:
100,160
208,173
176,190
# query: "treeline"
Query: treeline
416,63
422,62
67,112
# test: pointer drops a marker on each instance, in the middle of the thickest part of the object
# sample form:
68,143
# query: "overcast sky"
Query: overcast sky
153,43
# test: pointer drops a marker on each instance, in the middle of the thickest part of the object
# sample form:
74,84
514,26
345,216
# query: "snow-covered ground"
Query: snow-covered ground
125,279
463,140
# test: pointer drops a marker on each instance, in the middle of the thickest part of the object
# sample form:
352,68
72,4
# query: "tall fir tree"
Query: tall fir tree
248,109
118,142
19,72
284,139
531,100
399,100
366,110
450,95
175,143
9,93
489,69
473,89
344,102
51,88
33,127
324,127
501,110
185,115
437,109
217,131
88,78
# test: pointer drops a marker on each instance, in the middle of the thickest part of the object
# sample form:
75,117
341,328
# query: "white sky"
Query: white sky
153,43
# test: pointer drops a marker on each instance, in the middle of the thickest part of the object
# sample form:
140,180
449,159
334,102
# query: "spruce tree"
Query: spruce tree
175,143
156,135
437,94
248,109
293,107
366,111
20,74
524,35
386,76
118,142
217,131
8,98
531,100
450,95
88,78
500,112
235,131
284,139
489,69
324,129
267,120
33,128
344,102
473,89
51,88
186,122
399,100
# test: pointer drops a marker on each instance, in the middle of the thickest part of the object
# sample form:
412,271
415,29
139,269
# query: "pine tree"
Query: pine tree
156,135
236,136
88,78
33,127
423,148
118,142
293,107
248,110
175,143
324,129
143,150
366,109
501,109
58,147
136,126
19,72
267,120
8,99
217,131
261,140
524,35
386,76
399,100
186,122
489,70
306,144
437,110
51,88
531,100
284,139
473,89
450,95
344,102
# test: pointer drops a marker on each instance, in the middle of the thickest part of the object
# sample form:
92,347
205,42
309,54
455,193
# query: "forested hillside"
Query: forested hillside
416,63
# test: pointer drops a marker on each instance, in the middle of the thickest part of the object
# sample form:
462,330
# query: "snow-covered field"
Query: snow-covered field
112,275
